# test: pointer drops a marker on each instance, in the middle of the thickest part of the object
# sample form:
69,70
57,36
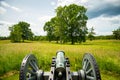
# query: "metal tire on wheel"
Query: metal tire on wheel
90,69
29,68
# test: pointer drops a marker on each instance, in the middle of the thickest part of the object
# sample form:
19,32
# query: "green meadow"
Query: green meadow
106,53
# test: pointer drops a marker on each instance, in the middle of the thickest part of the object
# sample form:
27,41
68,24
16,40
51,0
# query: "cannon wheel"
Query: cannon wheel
90,68
29,68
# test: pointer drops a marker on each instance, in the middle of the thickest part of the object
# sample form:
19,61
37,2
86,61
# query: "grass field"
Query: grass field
106,52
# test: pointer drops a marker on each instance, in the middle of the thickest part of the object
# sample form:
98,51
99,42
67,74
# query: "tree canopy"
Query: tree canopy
69,24
20,32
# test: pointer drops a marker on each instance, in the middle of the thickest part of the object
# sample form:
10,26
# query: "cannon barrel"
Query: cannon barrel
60,63
60,60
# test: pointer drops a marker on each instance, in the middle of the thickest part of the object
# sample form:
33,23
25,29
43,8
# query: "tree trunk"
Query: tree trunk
22,40
72,40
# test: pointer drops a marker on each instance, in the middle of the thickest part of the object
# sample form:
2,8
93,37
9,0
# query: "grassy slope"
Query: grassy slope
106,52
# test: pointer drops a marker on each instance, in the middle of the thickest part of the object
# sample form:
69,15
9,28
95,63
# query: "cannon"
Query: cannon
60,69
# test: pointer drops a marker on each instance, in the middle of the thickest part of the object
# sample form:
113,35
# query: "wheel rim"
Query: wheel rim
90,67
29,68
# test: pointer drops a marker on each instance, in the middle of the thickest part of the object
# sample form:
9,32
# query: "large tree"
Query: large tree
69,24
20,32
74,20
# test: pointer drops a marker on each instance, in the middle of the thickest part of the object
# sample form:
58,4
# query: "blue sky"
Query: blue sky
104,15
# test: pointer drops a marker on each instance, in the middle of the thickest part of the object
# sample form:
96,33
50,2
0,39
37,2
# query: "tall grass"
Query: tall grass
106,52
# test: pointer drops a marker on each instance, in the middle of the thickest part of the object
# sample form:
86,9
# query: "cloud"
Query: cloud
53,3
103,33
4,31
110,10
104,25
3,3
4,28
113,19
6,23
2,10
45,18
16,9
96,8
67,2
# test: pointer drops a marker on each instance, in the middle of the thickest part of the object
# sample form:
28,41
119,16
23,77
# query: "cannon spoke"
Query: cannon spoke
90,78
31,71
87,65
89,71
32,78
85,62
33,66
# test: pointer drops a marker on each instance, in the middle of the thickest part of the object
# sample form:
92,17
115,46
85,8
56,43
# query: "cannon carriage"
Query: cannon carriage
60,69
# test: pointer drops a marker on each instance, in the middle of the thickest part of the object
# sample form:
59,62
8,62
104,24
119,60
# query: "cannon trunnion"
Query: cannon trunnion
60,69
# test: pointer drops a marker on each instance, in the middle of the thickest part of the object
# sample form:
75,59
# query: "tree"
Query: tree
15,34
91,34
20,32
116,34
68,25
49,28
74,20
25,31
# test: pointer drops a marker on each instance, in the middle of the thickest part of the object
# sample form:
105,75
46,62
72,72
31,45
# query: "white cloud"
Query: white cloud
45,18
67,2
104,25
3,3
84,1
112,19
4,31
6,23
16,9
102,33
53,3
4,28
38,30
2,10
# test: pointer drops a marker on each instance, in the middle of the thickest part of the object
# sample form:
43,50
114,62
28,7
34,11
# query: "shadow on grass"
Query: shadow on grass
68,43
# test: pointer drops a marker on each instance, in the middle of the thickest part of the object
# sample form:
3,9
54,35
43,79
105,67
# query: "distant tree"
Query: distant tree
25,31
15,34
4,38
91,34
104,37
20,32
116,34
39,38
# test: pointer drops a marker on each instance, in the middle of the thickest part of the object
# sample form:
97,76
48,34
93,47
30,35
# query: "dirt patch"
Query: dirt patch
8,74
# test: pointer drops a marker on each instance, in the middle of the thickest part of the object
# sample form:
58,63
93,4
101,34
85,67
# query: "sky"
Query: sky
103,15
